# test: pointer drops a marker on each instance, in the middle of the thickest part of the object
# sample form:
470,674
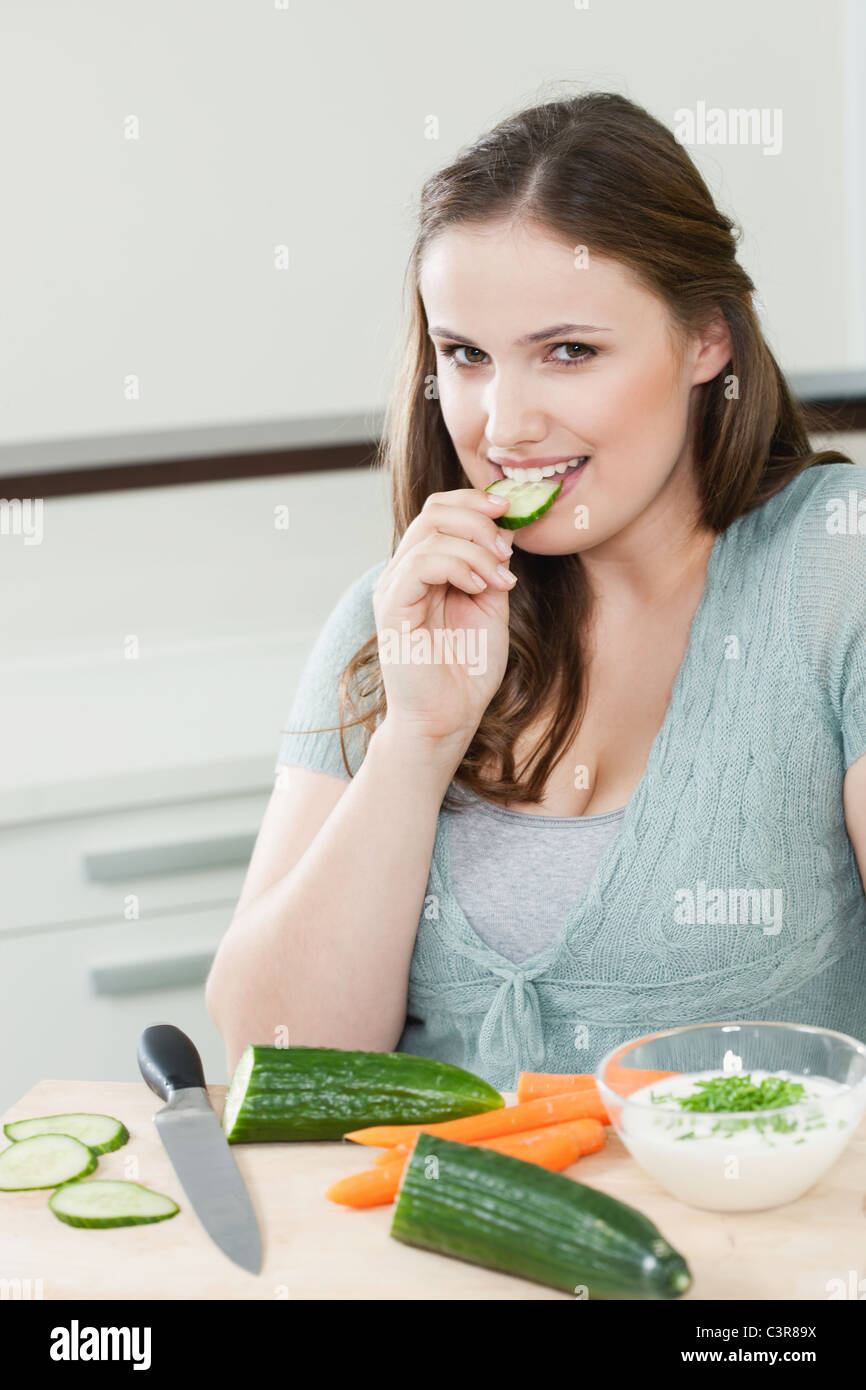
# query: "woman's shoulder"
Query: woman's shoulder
357,597
809,497
814,525
309,740
350,623
827,488
826,525
351,619
819,586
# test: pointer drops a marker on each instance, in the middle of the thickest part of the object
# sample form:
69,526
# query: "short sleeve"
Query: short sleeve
316,701
829,598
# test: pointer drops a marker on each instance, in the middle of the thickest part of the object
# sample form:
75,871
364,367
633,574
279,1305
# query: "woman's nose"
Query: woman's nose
513,418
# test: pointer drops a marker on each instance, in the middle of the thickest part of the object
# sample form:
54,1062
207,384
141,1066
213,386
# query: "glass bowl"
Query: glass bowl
731,1158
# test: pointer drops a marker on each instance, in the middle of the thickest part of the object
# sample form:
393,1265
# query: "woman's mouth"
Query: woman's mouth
567,474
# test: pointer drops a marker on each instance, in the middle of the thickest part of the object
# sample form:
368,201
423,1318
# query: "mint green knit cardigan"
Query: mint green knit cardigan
732,890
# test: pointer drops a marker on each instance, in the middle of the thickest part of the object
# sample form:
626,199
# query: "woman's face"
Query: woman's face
600,380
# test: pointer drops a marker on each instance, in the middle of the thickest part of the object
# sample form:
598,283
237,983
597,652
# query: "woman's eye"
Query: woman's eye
585,354
454,348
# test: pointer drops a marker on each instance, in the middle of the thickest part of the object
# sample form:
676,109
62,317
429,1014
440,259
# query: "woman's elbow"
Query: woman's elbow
218,998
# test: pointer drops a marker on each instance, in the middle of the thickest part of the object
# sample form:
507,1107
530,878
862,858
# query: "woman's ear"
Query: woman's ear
714,349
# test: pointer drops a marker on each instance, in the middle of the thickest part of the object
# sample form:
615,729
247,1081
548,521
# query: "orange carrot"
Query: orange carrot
553,1147
626,1080
623,1080
588,1130
510,1119
374,1187
388,1155
616,1072
532,1084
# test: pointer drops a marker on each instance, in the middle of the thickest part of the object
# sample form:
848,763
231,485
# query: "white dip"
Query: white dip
740,1161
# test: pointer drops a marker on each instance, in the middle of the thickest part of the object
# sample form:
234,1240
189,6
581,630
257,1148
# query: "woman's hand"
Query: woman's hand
429,588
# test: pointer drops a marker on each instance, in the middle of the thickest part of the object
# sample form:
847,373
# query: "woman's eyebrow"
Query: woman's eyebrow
556,329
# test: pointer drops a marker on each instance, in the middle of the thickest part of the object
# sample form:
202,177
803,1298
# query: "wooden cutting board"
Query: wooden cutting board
315,1249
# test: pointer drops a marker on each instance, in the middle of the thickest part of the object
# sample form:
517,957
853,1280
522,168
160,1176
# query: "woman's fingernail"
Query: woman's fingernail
502,546
506,574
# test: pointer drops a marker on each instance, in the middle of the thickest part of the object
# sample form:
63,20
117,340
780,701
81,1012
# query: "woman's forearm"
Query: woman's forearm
324,953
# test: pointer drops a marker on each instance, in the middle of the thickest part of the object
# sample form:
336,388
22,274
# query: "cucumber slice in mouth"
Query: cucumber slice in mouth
526,501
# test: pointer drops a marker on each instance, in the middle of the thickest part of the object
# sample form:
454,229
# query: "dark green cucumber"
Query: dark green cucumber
101,1133
502,1212
526,501
311,1093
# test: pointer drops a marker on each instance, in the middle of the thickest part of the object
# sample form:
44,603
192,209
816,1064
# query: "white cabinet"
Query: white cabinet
110,923
150,650
76,1001
127,866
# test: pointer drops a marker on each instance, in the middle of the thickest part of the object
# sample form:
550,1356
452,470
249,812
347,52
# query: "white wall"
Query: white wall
222,605
305,126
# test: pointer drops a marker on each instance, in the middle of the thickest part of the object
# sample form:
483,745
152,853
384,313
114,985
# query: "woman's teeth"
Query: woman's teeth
535,475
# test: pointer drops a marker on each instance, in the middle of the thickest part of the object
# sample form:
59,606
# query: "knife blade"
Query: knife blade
195,1143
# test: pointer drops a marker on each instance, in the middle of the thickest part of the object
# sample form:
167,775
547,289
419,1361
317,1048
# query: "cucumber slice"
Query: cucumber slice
46,1160
102,1202
526,501
101,1133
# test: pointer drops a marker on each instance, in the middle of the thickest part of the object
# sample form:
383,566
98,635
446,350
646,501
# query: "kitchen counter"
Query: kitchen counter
315,1249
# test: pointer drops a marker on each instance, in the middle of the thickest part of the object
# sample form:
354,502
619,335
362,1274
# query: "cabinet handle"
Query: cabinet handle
218,852
154,972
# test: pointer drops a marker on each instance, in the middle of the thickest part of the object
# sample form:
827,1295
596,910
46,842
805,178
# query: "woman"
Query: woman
642,802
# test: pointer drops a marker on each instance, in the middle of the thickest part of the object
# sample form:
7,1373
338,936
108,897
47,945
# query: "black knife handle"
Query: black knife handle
169,1060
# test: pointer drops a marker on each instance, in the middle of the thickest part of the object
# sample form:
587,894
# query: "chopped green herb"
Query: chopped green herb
740,1093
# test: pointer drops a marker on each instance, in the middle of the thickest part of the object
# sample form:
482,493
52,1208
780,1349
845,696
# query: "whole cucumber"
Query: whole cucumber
510,1215
311,1093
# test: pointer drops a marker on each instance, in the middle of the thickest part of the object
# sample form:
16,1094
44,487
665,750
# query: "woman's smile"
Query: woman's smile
528,473
566,473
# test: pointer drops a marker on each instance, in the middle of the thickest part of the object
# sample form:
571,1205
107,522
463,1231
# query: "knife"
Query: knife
196,1145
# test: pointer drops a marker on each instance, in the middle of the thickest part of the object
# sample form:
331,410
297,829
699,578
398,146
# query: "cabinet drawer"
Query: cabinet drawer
130,865
77,1001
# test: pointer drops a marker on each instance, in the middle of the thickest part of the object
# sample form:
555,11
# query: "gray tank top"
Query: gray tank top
518,876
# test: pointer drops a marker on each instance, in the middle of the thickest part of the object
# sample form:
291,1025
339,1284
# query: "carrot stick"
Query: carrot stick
532,1084
510,1119
624,1080
554,1147
615,1071
588,1130
374,1187
388,1155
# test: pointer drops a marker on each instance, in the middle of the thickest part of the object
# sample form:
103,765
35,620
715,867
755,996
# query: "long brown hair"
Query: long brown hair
597,170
